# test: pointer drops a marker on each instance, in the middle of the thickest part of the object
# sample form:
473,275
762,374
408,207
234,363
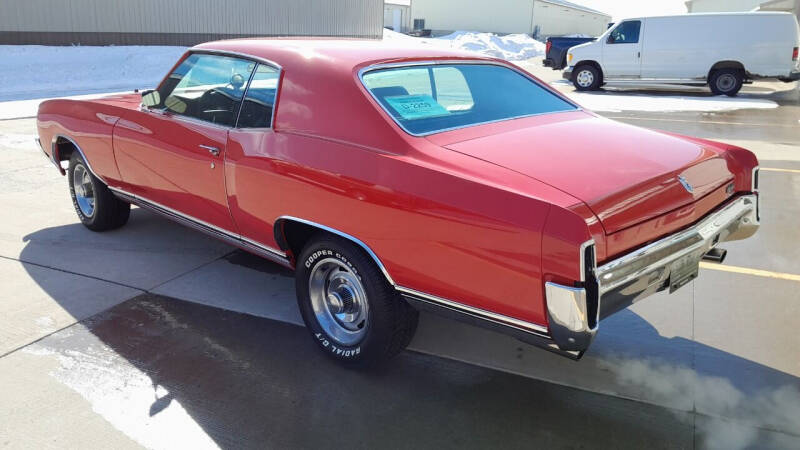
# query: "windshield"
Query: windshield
427,99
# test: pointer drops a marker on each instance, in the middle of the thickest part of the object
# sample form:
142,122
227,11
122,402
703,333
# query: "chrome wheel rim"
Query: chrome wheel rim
84,190
339,301
585,78
726,82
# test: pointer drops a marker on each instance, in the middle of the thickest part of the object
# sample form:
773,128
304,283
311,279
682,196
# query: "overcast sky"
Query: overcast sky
620,9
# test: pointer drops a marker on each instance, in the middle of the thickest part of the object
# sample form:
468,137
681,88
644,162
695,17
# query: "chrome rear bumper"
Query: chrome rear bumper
574,313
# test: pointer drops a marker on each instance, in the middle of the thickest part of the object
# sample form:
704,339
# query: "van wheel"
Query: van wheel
97,207
587,78
726,82
354,315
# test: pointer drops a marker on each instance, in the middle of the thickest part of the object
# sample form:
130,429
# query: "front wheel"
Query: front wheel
97,207
354,315
586,78
726,82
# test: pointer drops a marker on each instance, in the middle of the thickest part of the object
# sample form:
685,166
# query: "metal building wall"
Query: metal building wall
182,22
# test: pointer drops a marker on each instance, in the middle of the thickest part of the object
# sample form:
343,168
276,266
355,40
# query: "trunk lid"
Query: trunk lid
625,174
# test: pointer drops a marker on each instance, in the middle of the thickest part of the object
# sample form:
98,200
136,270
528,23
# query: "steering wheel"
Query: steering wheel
213,104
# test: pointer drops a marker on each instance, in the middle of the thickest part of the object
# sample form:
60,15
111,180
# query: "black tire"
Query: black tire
587,78
726,82
108,212
389,323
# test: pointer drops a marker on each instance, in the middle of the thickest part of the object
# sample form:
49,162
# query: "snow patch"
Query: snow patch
660,103
18,109
35,71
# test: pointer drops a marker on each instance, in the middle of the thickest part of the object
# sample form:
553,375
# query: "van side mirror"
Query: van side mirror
151,98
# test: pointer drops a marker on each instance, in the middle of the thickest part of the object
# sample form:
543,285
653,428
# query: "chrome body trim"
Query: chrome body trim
754,179
233,238
568,316
346,236
641,273
583,263
380,66
477,312
735,220
56,157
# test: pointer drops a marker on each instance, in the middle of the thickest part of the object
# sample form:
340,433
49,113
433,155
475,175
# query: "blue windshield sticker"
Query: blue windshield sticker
412,107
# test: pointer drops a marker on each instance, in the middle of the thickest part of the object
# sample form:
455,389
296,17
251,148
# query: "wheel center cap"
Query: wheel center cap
341,300
335,303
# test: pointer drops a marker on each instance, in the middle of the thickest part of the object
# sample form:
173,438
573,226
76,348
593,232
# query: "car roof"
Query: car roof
346,52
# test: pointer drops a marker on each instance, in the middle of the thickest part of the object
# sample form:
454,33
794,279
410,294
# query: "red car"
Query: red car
396,179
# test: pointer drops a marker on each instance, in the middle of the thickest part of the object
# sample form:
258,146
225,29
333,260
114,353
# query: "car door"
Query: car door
172,153
622,51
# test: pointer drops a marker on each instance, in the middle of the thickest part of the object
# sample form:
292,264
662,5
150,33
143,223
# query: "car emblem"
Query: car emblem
685,184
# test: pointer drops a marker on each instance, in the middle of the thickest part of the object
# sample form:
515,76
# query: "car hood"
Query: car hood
625,174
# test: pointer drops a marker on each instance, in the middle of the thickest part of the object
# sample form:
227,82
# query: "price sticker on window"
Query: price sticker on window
412,107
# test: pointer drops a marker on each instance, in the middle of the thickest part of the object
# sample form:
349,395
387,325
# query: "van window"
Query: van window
625,33
432,98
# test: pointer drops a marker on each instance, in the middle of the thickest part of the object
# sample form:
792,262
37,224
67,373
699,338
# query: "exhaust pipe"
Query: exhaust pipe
716,255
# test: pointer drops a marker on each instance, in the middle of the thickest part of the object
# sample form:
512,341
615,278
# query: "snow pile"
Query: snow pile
662,103
36,71
512,47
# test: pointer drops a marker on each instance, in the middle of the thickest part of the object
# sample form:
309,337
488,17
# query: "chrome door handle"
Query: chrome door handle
213,150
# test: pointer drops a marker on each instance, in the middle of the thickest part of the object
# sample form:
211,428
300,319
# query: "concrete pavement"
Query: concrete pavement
715,364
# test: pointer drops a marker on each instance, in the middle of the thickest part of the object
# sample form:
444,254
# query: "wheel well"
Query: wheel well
725,65
292,234
594,64
63,148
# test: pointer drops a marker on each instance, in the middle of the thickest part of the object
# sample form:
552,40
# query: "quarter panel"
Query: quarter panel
89,125
450,234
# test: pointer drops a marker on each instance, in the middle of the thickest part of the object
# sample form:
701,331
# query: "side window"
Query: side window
207,87
625,33
260,99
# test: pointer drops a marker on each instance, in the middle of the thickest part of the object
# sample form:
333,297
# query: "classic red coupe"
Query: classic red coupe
395,179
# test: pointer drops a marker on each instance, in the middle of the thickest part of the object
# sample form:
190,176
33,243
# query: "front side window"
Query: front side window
625,33
432,98
260,99
206,87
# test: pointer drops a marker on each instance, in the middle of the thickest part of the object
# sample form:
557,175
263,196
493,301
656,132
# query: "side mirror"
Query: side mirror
151,98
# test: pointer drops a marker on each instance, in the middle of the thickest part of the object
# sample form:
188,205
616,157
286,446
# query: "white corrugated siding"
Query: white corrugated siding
229,17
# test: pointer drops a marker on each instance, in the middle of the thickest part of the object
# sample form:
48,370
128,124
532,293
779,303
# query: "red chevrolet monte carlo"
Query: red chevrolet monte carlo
396,179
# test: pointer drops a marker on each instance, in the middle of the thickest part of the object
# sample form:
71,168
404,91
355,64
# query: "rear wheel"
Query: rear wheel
586,78
97,207
354,315
726,81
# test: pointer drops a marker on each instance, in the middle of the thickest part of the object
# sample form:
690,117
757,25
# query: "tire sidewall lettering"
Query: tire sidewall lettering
336,350
312,259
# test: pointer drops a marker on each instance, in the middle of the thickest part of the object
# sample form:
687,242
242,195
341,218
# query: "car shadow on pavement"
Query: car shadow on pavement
248,381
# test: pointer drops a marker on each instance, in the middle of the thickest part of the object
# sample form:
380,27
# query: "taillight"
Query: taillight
550,44
794,54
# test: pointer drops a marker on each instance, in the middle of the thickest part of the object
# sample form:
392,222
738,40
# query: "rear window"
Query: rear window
427,99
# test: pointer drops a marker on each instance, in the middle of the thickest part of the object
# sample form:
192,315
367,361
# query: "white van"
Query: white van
722,50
